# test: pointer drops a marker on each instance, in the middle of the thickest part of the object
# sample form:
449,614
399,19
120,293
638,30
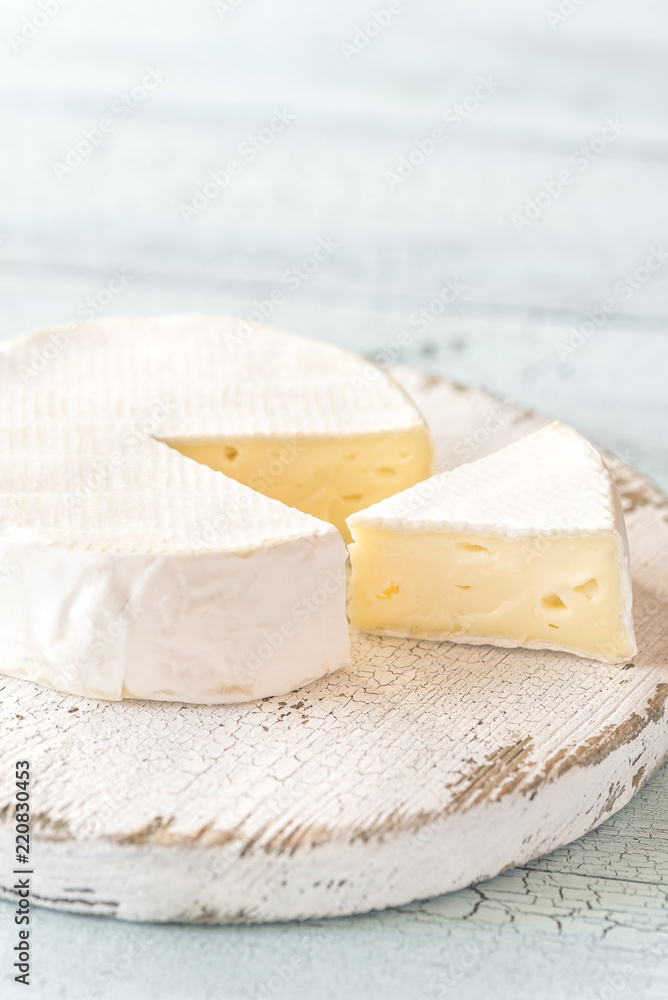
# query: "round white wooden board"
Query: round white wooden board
421,769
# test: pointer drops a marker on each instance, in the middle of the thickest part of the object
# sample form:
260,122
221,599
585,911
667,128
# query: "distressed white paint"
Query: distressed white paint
422,769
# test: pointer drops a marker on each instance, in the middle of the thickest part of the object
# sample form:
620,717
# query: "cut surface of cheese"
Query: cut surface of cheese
526,547
330,478
132,570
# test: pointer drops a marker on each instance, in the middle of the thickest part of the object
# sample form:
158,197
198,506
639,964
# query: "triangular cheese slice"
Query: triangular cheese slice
526,547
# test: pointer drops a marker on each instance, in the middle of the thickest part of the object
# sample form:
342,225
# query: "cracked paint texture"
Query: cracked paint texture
578,925
422,768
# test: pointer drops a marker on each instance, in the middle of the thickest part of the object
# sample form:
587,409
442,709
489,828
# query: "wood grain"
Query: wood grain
422,769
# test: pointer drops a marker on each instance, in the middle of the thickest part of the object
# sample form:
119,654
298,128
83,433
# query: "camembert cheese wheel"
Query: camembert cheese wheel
170,497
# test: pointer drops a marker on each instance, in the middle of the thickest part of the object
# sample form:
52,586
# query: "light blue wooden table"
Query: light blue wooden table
560,303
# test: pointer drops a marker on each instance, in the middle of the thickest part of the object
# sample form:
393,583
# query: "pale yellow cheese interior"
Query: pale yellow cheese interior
330,478
564,590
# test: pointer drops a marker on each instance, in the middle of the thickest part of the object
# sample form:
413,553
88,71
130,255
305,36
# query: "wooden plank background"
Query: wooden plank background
592,920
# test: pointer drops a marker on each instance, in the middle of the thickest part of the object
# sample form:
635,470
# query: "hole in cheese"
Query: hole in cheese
553,602
468,547
462,586
589,588
388,593
231,452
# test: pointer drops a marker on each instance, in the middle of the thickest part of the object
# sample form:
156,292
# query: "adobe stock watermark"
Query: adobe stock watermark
32,24
454,117
109,798
136,433
293,278
614,984
223,8
301,613
280,976
88,309
625,288
213,528
104,637
497,417
365,33
419,320
562,12
532,547
121,108
607,984
247,151
6,570
566,523
620,983
120,966
581,159
656,604
284,971
91,307
467,961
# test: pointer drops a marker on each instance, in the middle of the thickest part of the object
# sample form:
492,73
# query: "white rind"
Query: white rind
212,628
99,515
551,482
623,559
224,377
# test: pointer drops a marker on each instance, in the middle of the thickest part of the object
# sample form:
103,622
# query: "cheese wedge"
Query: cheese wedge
526,547
131,567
